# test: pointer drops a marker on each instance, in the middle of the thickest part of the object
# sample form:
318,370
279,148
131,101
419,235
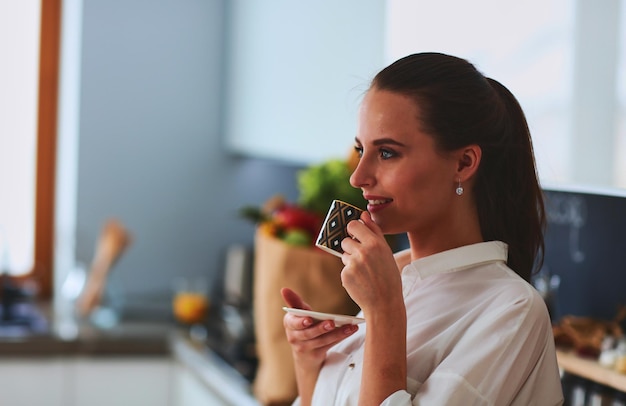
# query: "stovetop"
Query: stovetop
230,334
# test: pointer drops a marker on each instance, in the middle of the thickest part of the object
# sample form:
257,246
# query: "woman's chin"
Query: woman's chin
387,227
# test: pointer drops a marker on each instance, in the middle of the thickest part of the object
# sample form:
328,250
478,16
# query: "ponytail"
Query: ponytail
509,198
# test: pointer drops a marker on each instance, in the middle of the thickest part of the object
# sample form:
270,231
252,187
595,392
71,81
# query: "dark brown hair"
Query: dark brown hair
459,107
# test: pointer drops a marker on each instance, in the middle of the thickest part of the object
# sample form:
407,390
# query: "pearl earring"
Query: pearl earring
459,189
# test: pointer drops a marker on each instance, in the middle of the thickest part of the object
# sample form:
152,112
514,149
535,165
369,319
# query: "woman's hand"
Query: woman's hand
309,340
370,274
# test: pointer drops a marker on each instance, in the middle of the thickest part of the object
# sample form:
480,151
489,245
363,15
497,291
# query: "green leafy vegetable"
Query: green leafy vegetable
320,184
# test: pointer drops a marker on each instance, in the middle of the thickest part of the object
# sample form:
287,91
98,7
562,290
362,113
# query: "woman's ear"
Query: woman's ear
468,161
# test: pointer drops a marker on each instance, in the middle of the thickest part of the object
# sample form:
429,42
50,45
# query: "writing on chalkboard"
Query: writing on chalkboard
569,210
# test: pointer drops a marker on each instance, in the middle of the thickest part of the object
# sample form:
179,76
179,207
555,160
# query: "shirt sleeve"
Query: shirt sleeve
398,398
450,390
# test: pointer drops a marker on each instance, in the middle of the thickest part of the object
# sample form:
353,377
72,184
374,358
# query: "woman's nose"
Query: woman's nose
360,177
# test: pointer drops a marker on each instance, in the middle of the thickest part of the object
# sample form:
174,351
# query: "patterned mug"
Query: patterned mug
334,228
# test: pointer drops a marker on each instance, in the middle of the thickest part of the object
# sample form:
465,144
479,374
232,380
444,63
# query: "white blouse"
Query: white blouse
477,334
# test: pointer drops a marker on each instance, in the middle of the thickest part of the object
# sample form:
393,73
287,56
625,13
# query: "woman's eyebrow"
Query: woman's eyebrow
388,141
382,141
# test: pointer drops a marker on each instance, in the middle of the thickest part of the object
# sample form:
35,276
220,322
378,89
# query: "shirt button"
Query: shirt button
351,365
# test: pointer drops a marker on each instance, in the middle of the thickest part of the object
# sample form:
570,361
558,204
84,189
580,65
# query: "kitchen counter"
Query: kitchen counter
68,336
132,340
125,339
220,378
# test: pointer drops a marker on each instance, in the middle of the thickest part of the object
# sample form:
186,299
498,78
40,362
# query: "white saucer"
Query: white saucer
339,319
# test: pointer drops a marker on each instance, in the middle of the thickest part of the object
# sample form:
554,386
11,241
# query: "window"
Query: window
557,57
620,151
29,34
18,130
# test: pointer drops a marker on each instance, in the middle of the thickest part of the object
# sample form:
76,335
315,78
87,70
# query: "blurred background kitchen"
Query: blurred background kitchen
168,116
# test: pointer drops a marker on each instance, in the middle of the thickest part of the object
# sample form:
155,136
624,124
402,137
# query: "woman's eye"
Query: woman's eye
359,151
386,154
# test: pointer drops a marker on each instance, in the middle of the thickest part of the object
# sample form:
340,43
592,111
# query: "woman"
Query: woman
446,156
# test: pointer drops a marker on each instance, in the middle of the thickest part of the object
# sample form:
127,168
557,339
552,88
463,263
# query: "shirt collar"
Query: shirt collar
458,259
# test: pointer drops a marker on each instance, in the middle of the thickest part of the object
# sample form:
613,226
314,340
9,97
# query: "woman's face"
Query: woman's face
409,185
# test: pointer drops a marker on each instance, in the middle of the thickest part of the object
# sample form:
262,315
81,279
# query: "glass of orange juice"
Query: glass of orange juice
190,303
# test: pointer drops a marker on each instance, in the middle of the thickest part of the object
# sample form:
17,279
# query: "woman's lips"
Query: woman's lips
377,204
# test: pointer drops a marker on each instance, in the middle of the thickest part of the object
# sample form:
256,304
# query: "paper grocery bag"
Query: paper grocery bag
316,276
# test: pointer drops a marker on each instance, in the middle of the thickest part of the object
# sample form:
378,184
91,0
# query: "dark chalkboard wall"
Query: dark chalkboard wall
586,248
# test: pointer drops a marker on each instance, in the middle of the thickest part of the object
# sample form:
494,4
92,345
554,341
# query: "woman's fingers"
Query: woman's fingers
324,342
292,299
313,328
318,335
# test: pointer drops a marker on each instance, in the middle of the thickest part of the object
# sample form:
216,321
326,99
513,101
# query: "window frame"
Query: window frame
47,107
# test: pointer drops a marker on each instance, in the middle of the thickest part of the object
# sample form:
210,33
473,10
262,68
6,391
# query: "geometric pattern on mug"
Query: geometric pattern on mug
334,229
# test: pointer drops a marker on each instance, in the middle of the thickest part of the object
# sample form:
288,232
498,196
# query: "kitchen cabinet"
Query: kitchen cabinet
296,73
121,381
34,382
188,390
82,381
